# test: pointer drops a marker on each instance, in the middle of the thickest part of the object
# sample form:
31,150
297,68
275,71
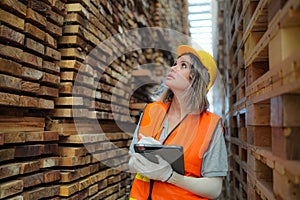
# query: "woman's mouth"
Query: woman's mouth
170,76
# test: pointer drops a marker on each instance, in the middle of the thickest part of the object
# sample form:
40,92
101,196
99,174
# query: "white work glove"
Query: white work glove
148,140
161,171
143,140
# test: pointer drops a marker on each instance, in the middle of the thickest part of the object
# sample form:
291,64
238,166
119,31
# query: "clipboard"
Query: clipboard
172,154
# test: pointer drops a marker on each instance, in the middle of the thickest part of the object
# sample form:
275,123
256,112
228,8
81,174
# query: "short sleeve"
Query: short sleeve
215,161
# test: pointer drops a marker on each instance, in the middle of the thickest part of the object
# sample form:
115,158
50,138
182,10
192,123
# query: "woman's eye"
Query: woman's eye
183,66
175,63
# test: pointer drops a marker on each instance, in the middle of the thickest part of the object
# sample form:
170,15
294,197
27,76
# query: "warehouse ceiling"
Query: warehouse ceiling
200,17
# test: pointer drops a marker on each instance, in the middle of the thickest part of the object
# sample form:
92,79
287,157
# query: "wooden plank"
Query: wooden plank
15,6
85,183
50,41
34,32
73,53
10,67
68,189
10,82
284,142
72,151
11,52
75,161
27,101
34,136
10,188
31,87
12,20
71,76
284,112
75,18
48,91
53,29
258,114
59,6
69,101
9,99
36,18
86,138
67,112
50,149
69,64
17,127
32,60
14,137
284,188
35,193
35,46
259,135
51,176
40,136
29,166
11,35
45,103
49,162
283,45
51,67
28,150
50,79
52,190
52,53
56,18
18,197
93,189
51,136
73,40
9,170
32,180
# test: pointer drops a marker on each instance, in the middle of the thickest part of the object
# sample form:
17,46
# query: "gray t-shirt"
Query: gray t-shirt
214,161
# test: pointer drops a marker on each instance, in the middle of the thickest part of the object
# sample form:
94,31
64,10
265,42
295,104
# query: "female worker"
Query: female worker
181,117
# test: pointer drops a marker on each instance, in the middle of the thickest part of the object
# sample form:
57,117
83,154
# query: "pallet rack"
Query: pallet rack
261,70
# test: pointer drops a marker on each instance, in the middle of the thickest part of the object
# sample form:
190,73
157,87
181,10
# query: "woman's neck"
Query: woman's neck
179,108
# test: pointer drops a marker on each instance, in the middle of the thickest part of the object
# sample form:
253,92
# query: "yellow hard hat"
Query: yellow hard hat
206,59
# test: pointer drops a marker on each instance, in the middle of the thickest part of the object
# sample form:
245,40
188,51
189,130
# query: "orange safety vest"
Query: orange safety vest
194,134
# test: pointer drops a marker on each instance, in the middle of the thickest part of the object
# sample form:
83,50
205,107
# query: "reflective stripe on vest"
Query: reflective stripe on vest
194,134
141,177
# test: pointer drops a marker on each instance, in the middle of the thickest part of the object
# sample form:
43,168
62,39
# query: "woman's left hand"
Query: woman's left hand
161,171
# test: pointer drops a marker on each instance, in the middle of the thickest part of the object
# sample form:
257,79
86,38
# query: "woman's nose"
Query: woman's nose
174,68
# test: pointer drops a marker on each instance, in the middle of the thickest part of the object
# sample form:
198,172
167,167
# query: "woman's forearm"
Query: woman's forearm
208,187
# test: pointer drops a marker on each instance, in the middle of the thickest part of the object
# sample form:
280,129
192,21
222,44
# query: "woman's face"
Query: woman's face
178,78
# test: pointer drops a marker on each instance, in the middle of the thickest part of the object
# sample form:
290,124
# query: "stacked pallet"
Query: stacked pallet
261,64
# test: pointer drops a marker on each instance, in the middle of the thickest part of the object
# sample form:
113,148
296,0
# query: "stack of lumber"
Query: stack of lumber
66,95
28,156
29,84
28,50
260,61
165,12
